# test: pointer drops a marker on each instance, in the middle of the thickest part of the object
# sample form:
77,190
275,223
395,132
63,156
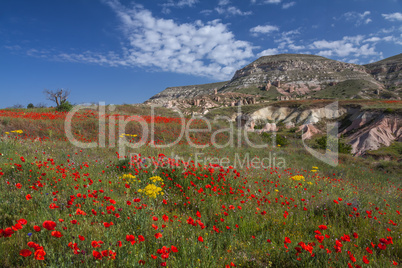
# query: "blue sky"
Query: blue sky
127,51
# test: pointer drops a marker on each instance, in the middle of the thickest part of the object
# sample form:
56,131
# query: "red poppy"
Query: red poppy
56,234
32,244
158,235
382,246
287,240
200,239
95,244
96,255
18,185
49,225
53,206
352,258
174,249
25,252
155,218
17,226
105,253
323,227
141,238
319,238
345,237
23,221
131,238
81,237
40,254
365,260
28,197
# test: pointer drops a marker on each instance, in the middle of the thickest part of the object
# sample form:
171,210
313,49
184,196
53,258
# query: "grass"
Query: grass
240,212
345,90
394,152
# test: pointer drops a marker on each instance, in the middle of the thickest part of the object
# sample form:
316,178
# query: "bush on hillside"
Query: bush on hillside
64,107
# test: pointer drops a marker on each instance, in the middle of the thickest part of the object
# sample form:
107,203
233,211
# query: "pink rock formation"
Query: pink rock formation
309,131
379,133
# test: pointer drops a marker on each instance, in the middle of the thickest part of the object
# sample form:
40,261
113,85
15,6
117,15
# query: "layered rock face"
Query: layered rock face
297,74
185,92
387,71
367,130
294,76
381,131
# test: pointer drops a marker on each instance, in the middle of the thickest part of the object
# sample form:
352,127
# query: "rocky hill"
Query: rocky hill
186,92
388,72
298,76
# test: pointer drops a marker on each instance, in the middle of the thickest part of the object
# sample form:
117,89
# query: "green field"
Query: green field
183,206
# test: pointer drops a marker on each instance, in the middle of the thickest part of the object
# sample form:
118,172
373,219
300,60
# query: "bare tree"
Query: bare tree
59,96
41,105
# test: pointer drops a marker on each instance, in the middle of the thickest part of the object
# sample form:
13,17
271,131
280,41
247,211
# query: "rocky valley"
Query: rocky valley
290,91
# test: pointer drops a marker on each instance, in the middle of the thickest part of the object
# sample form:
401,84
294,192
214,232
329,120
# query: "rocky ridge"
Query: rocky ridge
298,76
185,92
301,77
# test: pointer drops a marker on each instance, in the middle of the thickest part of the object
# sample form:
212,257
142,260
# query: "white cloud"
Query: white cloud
13,47
232,11
181,3
286,38
393,16
272,1
223,2
358,18
348,45
264,29
268,52
288,5
176,4
204,49
372,39
294,47
393,39
267,1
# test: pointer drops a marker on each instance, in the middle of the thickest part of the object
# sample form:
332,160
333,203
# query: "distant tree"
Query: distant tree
41,105
59,96
30,106
18,106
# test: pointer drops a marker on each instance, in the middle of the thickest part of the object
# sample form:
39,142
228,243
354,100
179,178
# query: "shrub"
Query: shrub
64,107
389,111
343,147
30,106
280,139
